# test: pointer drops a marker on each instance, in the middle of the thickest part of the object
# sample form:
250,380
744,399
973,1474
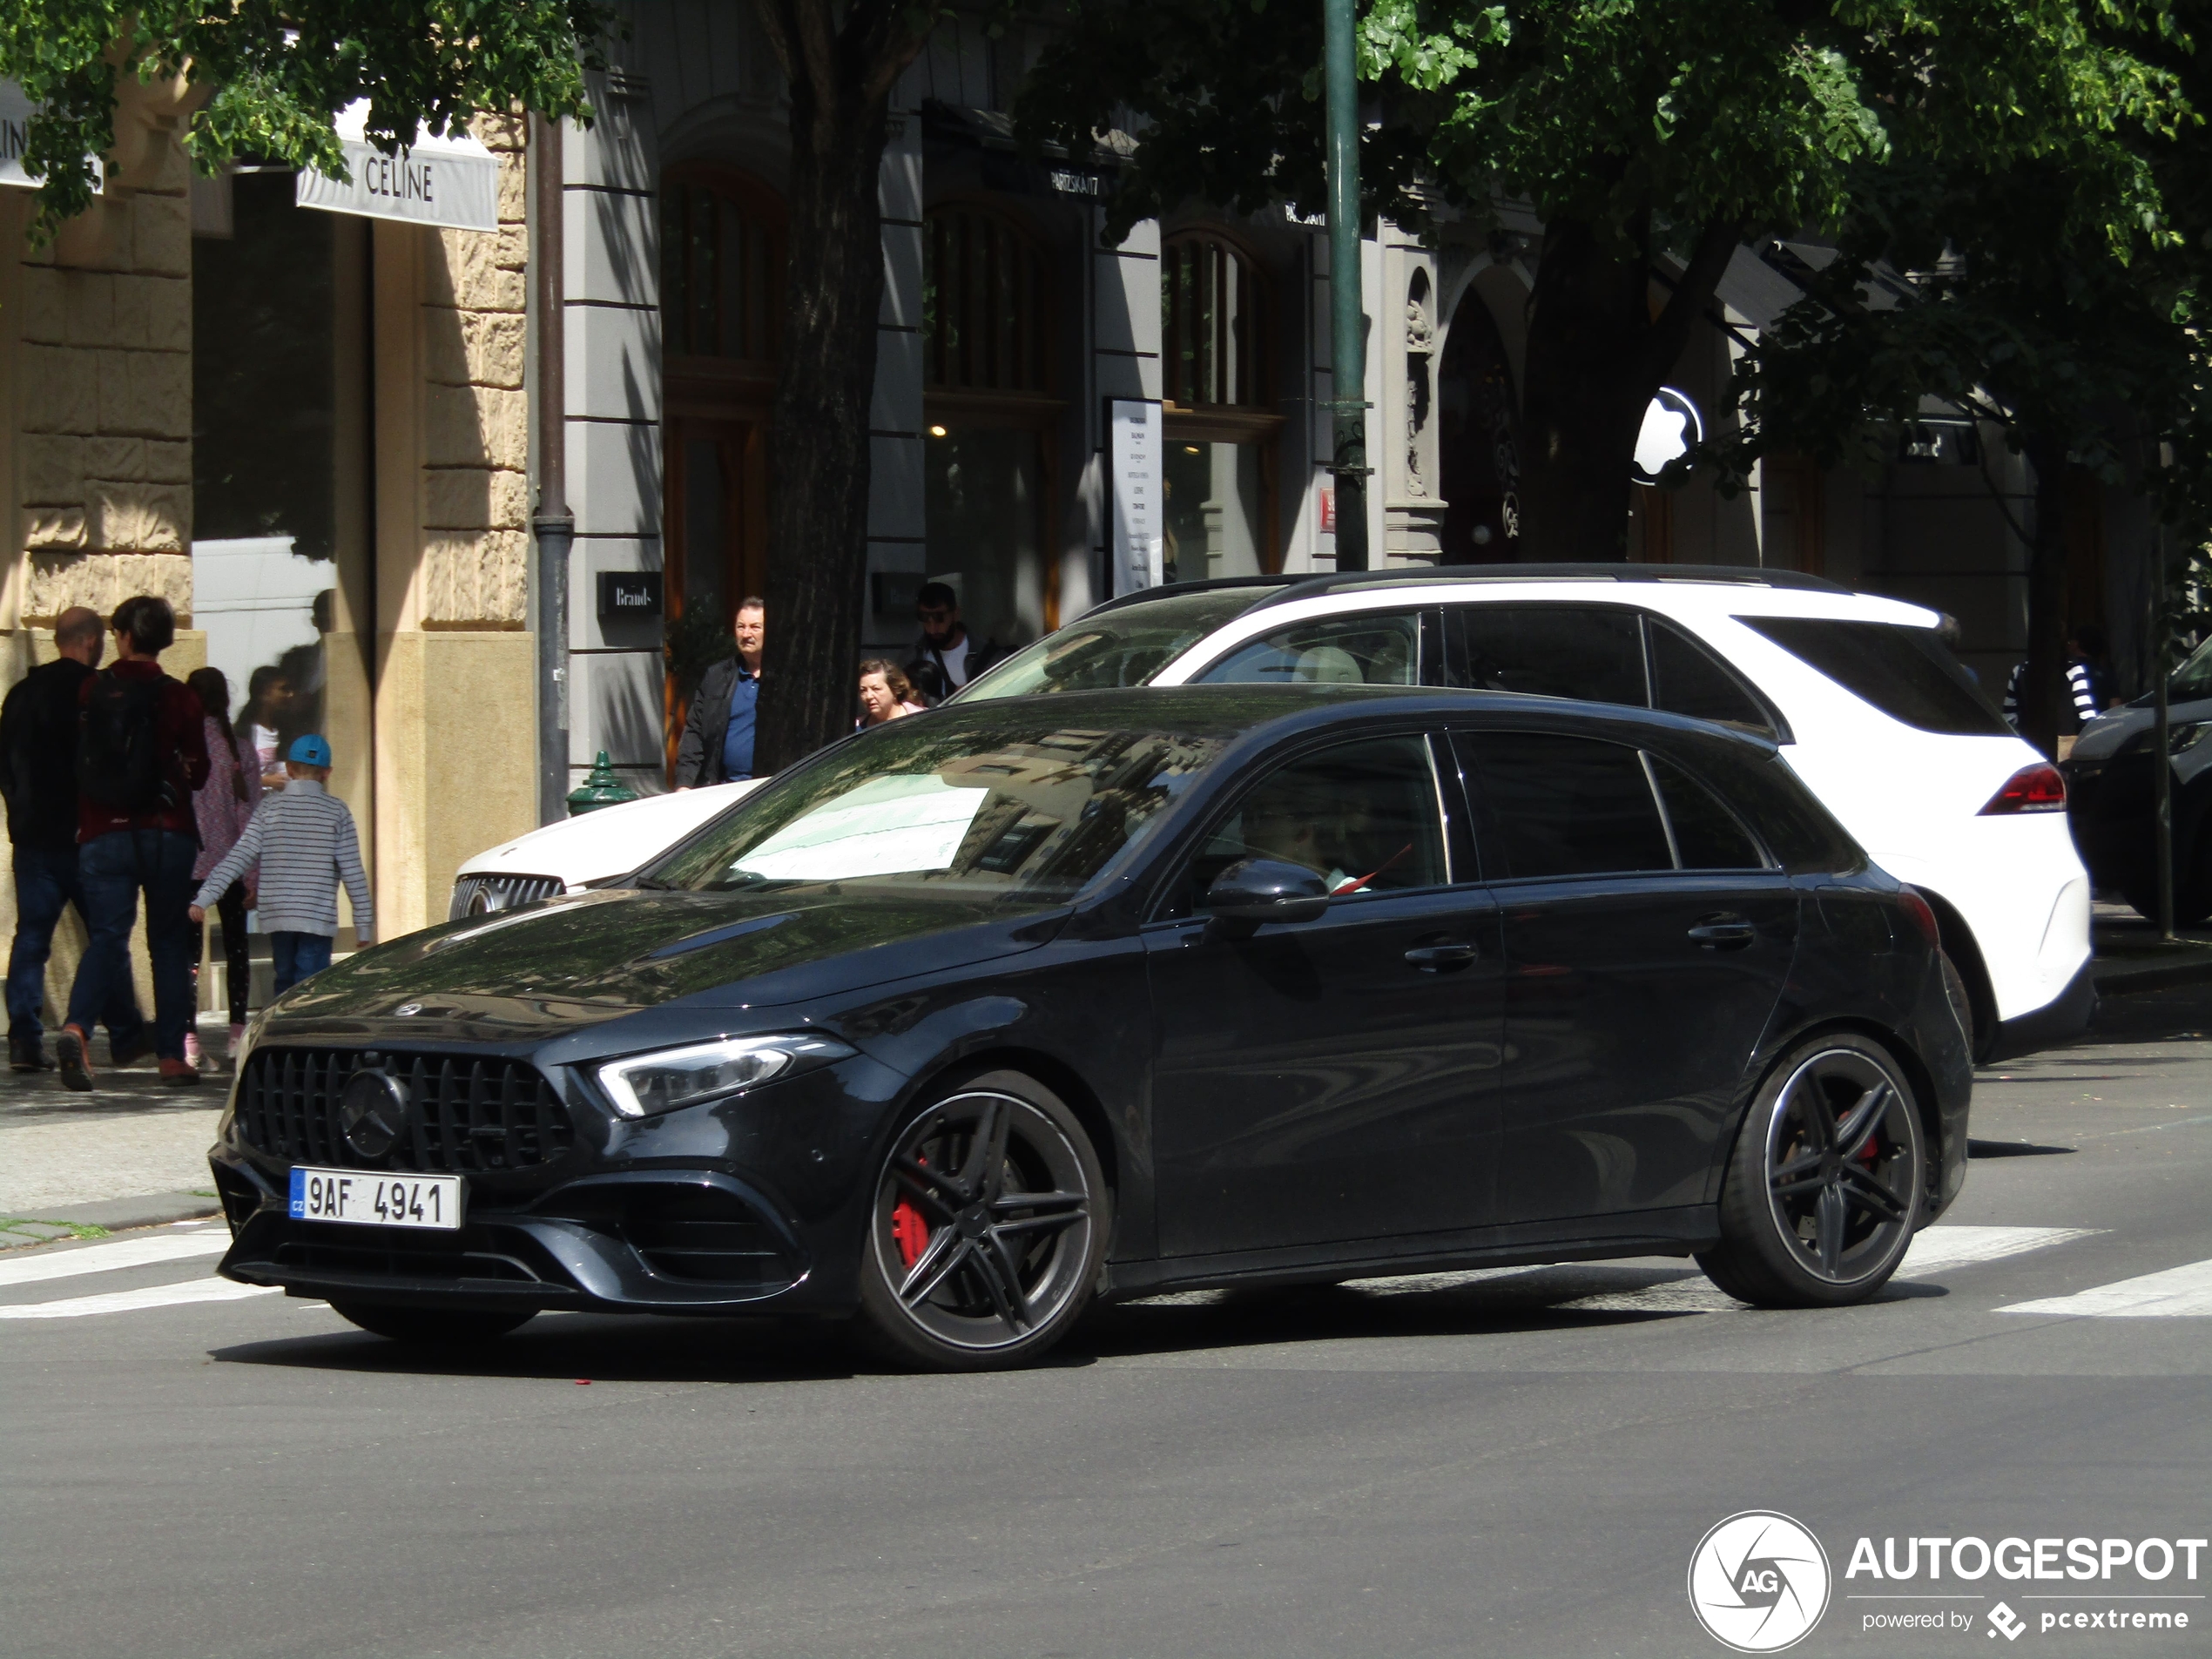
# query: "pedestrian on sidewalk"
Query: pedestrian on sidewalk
306,844
223,806
885,694
141,752
38,777
718,746
945,640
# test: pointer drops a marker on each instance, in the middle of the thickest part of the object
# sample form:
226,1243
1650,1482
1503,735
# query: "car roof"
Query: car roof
1287,589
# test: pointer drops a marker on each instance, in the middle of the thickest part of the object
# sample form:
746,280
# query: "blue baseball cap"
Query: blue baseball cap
310,750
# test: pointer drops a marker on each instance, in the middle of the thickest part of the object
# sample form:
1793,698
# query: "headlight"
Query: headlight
2179,740
647,1084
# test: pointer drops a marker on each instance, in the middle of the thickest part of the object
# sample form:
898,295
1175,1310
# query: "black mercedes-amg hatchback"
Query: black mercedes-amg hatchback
979,1016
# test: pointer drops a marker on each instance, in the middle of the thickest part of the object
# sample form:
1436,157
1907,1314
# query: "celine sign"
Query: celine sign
452,182
14,138
633,594
1139,532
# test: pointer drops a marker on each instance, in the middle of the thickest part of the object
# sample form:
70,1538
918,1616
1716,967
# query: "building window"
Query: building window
1221,512
722,267
984,306
1210,316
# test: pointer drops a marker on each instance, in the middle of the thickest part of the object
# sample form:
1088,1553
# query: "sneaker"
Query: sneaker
192,1049
28,1054
73,1053
179,1073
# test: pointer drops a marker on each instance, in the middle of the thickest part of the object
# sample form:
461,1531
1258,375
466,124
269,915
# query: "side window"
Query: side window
1592,652
1685,680
1707,834
1566,806
1363,815
1375,648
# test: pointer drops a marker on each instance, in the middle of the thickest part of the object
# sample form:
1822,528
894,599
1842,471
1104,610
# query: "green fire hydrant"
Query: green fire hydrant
599,788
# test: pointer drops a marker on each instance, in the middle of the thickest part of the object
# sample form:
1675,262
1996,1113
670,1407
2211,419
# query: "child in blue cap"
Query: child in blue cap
306,843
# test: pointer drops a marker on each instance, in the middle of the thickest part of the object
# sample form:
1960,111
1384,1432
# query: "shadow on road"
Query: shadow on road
601,1348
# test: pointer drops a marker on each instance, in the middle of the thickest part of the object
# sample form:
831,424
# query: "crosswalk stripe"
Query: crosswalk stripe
2179,1292
158,1296
1948,1246
106,1258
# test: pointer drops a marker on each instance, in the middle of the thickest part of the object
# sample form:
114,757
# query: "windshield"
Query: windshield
1123,647
1026,810
2192,681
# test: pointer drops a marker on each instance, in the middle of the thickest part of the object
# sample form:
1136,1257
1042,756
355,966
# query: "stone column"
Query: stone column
1405,337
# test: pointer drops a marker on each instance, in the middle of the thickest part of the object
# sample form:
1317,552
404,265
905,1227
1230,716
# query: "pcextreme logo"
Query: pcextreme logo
1758,1581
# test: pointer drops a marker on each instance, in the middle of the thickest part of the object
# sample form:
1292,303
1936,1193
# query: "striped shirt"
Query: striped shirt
2081,685
305,838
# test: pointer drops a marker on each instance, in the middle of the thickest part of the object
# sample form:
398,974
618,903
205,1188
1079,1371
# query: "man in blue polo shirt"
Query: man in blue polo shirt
718,746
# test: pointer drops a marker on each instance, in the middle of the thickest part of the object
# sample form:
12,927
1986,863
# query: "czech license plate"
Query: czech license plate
364,1199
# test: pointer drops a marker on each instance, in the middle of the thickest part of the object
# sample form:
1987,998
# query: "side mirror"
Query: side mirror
1252,891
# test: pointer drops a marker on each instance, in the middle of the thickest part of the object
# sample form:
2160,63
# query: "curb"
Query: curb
121,1215
2125,982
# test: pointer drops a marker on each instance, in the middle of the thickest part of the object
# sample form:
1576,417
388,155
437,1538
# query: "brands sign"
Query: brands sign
451,181
1140,534
14,139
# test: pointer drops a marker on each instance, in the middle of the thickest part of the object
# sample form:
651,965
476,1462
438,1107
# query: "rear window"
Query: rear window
1908,673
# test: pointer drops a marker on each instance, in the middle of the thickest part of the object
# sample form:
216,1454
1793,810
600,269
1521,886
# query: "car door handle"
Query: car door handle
1439,959
1723,932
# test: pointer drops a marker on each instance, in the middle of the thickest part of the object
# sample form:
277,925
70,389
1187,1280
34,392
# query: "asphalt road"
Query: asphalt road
1514,1465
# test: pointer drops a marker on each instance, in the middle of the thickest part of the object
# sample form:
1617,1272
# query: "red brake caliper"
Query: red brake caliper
909,1230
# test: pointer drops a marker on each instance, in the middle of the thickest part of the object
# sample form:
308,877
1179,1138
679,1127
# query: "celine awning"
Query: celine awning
452,182
15,135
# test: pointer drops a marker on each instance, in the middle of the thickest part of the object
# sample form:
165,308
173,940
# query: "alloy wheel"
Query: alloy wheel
1843,1165
983,1220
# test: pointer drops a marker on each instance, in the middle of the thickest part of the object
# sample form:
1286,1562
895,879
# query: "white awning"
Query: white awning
453,181
15,138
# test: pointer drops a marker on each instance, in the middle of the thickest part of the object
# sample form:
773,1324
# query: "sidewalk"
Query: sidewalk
2131,957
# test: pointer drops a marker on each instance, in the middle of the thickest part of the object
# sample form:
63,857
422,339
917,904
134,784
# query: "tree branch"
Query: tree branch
1700,279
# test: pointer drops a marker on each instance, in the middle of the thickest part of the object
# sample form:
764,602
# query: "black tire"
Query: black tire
2192,888
957,1271
432,1327
1828,1180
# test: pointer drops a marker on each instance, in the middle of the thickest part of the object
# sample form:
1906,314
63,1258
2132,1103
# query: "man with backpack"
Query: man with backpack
38,725
141,752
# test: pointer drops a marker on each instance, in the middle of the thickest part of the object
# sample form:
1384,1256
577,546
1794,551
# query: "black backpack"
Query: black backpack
118,744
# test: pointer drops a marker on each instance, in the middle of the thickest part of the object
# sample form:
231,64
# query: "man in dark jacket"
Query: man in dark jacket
945,642
38,777
718,746
141,752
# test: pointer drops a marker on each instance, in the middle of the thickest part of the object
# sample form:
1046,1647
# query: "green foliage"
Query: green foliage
274,76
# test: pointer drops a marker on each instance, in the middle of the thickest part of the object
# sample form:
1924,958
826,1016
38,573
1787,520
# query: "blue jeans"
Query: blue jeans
297,955
111,870
45,882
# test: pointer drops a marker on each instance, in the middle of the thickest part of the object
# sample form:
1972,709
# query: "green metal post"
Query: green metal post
1347,339
2161,740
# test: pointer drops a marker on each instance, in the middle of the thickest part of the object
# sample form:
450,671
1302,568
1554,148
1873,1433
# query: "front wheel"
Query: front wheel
431,1327
1825,1188
987,1227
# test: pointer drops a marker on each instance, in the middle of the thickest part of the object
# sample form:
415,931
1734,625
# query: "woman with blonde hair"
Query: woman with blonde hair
886,693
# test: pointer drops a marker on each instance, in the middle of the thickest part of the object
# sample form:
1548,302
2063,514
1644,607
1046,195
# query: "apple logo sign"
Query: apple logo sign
1671,426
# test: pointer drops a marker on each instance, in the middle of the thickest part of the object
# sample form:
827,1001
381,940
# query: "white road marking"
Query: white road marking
1943,1247
158,1296
104,1258
2179,1292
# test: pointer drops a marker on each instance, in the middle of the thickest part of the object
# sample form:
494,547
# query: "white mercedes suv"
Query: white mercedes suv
1866,704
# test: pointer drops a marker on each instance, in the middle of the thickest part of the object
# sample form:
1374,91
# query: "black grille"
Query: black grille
477,895
723,1252
468,1115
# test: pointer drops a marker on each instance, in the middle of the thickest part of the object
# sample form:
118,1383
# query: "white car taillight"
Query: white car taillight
2040,788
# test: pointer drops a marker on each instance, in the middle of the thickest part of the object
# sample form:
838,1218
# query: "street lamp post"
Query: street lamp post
1347,342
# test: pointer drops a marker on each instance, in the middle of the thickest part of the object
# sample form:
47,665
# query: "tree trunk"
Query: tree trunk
840,80
2042,687
1596,355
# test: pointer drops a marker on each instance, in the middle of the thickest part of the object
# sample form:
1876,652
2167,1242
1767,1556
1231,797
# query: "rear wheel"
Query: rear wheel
432,1327
1824,1190
988,1225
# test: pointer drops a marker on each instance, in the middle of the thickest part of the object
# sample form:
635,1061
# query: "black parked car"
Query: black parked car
970,1018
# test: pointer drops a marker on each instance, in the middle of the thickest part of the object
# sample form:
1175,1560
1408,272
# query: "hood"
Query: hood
595,956
613,840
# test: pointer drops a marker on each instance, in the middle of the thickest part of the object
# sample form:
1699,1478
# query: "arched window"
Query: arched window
985,313
722,267
1214,340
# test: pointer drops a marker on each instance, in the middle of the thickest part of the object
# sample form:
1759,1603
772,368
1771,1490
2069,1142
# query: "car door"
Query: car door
1335,1079
1395,647
1648,937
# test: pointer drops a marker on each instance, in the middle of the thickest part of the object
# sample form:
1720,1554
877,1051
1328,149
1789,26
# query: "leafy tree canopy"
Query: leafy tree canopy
275,76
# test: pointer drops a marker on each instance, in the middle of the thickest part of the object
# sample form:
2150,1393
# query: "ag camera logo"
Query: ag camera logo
1758,1581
